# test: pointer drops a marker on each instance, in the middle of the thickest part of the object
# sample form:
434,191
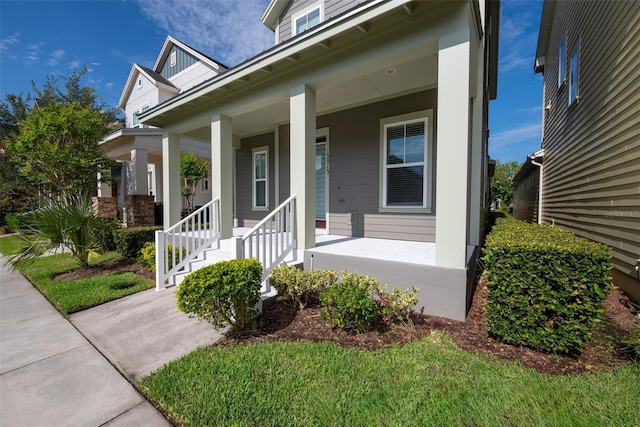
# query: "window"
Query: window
573,75
205,181
136,113
261,178
562,57
405,151
307,19
172,58
139,84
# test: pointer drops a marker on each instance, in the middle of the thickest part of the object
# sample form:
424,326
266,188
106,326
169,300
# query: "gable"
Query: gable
183,61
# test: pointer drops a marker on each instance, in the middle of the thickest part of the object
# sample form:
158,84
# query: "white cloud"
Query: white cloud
6,45
55,57
518,35
32,53
75,64
228,31
528,133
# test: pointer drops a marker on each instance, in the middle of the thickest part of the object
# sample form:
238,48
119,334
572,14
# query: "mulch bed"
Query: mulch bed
281,322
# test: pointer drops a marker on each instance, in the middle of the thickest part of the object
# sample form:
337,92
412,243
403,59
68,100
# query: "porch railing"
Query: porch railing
185,240
271,240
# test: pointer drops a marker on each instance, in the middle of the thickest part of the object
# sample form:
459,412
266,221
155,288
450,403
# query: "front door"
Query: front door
322,171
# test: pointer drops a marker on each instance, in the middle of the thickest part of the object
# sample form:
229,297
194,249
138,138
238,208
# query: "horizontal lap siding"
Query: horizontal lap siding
592,148
247,217
332,8
354,145
526,197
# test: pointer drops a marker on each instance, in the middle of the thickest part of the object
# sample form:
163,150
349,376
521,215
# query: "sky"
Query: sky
41,38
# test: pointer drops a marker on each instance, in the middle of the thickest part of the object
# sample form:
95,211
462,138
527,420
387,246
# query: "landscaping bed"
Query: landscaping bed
281,322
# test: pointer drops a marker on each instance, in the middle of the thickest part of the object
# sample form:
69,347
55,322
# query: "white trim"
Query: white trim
575,51
173,59
139,82
164,52
139,110
254,152
276,165
324,132
425,116
306,11
562,61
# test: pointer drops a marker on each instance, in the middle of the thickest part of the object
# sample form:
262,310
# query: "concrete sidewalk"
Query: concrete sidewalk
53,373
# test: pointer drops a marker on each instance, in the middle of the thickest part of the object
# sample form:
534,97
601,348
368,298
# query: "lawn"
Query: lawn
10,245
69,296
424,383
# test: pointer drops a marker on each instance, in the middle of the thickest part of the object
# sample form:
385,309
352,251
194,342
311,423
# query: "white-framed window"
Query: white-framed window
405,161
307,19
205,181
136,113
562,58
574,73
260,182
173,59
139,82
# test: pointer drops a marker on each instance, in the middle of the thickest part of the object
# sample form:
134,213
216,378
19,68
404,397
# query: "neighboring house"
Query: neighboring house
590,57
526,195
368,120
138,147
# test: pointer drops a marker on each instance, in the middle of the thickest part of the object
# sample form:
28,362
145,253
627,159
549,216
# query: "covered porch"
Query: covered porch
378,66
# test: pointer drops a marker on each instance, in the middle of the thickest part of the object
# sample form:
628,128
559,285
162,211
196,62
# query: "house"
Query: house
359,141
137,183
589,170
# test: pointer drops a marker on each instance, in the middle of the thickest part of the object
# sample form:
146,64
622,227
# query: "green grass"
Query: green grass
75,295
426,383
10,245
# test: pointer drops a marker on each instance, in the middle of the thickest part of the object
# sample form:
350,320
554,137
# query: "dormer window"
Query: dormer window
308,19
172,59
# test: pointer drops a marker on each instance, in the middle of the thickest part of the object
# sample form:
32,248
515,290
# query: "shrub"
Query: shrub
397,304
349,306
147,258
545,285
299,286
223,293
103,232
631,344
129,241
13,222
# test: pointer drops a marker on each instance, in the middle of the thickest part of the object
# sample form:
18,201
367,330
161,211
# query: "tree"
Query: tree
57,150
192,171
53,146
501,182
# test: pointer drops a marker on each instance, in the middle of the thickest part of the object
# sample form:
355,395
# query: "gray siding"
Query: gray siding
332,8
247,216
354,145
591,182
525,197
183,61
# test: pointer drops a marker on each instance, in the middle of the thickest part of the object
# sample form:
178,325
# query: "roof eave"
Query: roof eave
272,13
546,21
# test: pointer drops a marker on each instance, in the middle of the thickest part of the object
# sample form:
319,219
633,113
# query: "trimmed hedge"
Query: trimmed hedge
224,293
129,241
545,285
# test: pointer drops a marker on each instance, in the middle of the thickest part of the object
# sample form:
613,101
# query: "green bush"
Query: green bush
13,222
129,241
103,231
299,286
349,306
631,344
147,258
223,293
545,285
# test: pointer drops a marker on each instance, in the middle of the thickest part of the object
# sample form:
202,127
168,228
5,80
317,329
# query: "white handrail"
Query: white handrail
187,239
270,240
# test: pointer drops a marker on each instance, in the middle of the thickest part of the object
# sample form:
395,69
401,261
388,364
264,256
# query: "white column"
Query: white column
138,181
303,153
222,170
477,141
171,198
104,188
453,147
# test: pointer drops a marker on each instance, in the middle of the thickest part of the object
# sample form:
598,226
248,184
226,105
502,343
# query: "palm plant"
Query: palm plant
60,225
